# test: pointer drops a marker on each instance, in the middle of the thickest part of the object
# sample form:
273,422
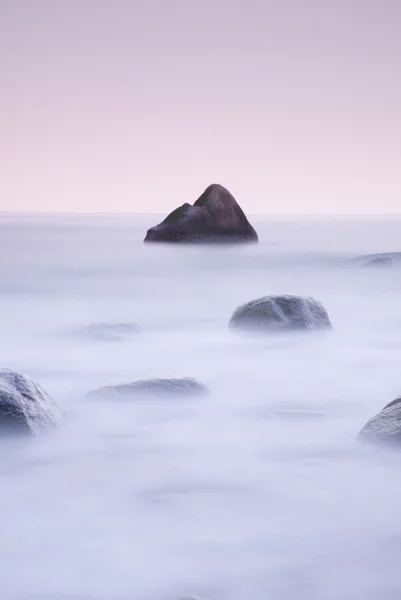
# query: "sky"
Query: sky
139,105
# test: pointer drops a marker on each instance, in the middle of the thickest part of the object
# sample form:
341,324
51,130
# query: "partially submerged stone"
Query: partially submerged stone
24,406
379,262
109,332
285,312
385,426
382,259
162,388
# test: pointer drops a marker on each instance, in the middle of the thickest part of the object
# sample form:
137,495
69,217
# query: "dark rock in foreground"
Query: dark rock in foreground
276,313
24,406
109,332
385,427
216,217
168,387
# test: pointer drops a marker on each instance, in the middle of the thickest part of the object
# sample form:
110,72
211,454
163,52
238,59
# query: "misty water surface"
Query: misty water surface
256,492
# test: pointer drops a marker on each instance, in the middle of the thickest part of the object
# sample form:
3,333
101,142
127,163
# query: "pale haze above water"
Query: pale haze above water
258,491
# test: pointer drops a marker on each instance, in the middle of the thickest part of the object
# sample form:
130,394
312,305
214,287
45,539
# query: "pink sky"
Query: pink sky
138,105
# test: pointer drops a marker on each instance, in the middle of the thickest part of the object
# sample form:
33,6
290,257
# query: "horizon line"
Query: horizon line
142,214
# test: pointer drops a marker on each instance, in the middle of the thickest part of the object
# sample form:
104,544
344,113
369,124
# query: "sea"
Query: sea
258,491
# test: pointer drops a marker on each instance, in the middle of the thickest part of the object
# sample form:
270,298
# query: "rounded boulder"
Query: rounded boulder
24,406
280,313
385,426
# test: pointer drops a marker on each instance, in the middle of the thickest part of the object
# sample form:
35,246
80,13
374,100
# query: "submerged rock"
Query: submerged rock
384,259
380,261
24,406
216,217
168,387
276,313
385,427
109,332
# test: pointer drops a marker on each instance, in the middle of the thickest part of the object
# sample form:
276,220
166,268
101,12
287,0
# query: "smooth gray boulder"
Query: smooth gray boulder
161,388
277,313
216,217
24,406
385,427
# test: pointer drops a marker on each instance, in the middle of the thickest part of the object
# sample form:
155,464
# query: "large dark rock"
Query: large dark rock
216,217
385,427
276,313
24,406
162,388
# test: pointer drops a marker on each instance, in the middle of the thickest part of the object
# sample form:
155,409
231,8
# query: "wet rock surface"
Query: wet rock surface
385,426
24,406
